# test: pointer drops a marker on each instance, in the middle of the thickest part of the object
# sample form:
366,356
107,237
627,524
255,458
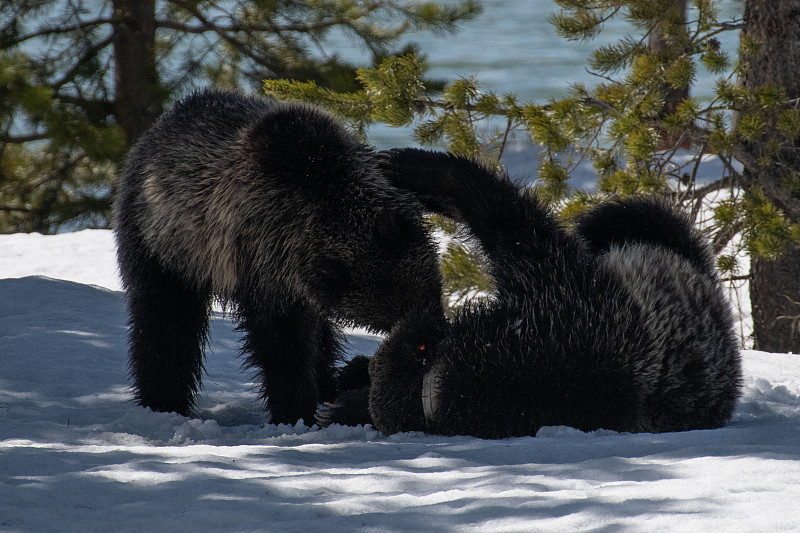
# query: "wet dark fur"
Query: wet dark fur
621,324
278,211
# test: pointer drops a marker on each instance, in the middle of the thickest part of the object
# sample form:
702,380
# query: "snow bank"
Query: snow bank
77,455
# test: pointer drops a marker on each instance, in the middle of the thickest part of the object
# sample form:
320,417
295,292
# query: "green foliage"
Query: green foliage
465,272
58,178
751,126
553,178
681,73
791,182
393,88
686,113
726,213
748,46
64,128
789,124
714,60
355,108
728,264
438,17
545,128
643,123
614,57
768,229
631,125
582,26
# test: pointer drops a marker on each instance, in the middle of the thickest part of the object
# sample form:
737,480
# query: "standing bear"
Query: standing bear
278,211
620,324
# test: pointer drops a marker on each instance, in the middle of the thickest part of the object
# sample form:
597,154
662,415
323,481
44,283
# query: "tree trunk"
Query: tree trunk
666,42
777,312
775,285
138,98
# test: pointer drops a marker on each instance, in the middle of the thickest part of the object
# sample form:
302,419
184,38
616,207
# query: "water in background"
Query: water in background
511,47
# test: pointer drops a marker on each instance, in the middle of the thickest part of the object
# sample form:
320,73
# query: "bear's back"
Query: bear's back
198,134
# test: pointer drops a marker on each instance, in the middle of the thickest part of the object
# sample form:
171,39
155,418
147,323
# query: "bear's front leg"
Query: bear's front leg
167,336
329,352
283,346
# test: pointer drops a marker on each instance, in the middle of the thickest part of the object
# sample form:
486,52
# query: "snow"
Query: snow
77,455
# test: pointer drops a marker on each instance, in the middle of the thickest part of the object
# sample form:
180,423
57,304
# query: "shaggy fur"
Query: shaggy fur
278,210
620,325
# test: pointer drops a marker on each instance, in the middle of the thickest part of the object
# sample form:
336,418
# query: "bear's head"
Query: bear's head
358,246
399,368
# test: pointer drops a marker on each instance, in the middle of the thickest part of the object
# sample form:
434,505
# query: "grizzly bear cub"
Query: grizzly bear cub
620,323
279,212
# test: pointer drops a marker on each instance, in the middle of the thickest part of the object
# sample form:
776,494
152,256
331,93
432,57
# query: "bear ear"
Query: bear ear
302,145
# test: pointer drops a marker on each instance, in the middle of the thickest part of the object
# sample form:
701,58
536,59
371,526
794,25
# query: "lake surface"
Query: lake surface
511,47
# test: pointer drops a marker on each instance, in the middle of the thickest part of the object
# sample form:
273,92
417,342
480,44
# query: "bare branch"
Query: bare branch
715,186
509,126
90,53
208,26
58,30
268,26
224,35
736,278
20,139
722,238
103,107
8,209
59,173
421,104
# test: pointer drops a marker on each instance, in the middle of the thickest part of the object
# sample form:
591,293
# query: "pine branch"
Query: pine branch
21,139
293,26
715,186
58,30
208,26
421,104
237,44
722,238
88,56
9,209
93,107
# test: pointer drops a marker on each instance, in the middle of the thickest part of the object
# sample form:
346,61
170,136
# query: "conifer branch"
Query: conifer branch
90,54
56,30
723,237
226,36
22,139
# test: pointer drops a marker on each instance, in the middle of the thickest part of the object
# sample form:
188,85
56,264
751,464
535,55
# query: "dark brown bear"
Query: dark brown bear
621,324
278,210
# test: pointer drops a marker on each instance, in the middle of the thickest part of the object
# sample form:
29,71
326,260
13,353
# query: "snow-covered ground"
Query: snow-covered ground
77,455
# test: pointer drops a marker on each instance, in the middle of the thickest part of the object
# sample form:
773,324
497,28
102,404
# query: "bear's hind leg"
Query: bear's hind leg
282,345
330,341
644,220
168,334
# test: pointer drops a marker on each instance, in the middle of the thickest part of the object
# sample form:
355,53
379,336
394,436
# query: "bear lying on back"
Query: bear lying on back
274,208
621,324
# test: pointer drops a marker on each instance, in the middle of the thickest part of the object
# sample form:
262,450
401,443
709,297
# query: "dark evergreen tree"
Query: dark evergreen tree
772,168
81,80
634,122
